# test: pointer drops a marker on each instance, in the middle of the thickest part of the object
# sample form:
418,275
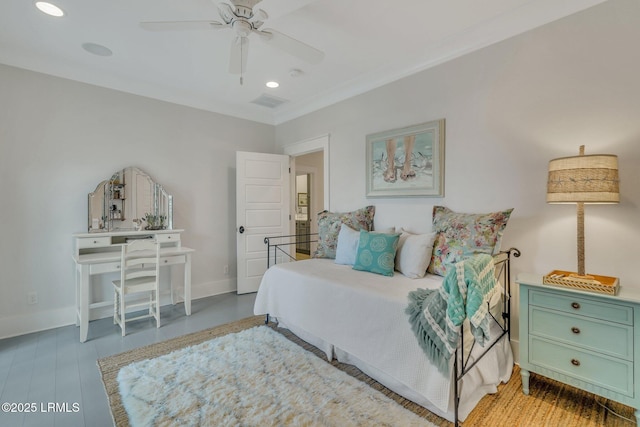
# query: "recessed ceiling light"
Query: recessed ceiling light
49,9
97,49
272,85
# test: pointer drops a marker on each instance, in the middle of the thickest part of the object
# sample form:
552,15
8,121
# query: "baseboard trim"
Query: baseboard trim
515,347
22,324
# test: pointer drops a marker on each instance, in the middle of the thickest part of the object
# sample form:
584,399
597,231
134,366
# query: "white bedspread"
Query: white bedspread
363,315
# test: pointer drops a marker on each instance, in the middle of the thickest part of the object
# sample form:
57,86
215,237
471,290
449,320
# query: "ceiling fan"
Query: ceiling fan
243,19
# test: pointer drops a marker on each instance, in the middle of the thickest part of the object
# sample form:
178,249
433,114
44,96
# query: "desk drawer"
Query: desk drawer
582,306
178,259
168,237
107,267
611,338
94,242
602,371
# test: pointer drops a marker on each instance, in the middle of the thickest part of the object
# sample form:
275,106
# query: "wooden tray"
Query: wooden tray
601,284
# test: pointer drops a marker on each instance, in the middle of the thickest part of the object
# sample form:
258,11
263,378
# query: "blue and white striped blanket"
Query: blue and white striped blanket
436,316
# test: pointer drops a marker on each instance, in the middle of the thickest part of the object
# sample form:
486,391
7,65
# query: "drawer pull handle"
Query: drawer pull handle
169,238
575,362
166,261
575,330
95,242
575,305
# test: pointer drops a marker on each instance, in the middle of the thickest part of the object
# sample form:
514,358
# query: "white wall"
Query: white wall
59,139
509,109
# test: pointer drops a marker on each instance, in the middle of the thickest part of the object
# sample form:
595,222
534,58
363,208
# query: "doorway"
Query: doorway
303,204
308,200
311,158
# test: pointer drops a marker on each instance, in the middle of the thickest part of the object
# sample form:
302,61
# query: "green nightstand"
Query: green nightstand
586,339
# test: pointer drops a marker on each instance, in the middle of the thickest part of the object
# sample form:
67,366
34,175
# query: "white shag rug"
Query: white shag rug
255,377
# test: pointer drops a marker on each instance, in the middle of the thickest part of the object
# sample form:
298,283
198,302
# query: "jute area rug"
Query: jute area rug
549,404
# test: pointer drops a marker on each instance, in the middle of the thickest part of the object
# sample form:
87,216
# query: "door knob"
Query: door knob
241,229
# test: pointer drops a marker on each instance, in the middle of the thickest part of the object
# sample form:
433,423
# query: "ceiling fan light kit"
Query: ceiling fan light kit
243,18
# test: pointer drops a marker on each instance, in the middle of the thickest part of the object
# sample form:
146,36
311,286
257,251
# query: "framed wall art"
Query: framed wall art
406,162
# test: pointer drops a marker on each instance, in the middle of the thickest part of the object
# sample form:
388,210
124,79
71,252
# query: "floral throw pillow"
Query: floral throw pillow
329,227
460,235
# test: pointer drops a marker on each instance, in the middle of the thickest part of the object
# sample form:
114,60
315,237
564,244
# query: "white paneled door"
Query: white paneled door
262,209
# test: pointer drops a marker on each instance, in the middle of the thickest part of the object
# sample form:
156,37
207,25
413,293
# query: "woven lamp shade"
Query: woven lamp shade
584,179
581,180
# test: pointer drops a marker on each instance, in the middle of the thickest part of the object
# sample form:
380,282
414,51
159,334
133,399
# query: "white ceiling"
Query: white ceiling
366,43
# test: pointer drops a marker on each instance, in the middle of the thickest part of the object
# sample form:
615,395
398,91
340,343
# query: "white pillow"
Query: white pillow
414,253
347,245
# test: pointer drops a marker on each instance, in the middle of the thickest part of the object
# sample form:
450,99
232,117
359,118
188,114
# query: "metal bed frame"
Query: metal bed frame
292,239
461,362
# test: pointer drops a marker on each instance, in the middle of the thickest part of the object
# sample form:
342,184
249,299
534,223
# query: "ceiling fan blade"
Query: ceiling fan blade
258,18
292,46
239,54
181,25
259,15
226,12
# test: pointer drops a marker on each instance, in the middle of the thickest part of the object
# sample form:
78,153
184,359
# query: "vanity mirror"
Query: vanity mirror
130,200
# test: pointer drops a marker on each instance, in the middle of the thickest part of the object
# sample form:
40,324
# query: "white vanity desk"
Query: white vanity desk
99,253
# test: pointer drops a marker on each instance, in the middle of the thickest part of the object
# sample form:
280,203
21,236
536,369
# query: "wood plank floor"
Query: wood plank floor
52,367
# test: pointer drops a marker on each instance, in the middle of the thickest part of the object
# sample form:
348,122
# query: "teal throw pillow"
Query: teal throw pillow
376,252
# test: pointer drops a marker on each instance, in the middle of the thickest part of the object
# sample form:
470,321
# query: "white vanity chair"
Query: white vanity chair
139,274
116,208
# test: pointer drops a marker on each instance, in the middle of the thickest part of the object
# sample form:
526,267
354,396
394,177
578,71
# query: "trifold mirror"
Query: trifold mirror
129,200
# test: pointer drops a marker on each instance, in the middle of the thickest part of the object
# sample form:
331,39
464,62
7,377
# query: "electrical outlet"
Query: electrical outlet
32,298
226,270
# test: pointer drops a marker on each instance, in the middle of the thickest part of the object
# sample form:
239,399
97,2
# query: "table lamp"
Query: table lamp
583,179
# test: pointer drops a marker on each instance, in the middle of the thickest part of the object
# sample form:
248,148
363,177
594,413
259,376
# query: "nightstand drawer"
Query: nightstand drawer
582,306
602,371
610,338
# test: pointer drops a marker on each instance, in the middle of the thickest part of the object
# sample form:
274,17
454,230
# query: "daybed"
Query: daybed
359,318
